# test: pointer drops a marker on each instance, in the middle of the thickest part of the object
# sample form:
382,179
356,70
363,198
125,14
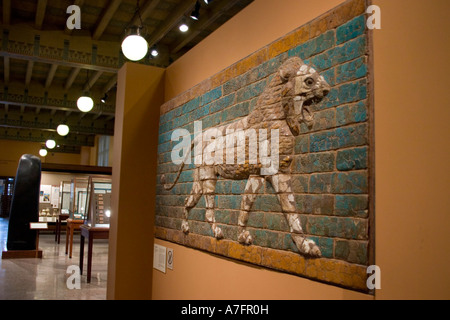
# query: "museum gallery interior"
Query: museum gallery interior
225,150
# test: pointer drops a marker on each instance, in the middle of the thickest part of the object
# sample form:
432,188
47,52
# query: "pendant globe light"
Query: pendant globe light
63,130
43,152
134,46
50,143
85,102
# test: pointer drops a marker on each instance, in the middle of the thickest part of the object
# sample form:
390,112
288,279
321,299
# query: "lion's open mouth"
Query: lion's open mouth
302,107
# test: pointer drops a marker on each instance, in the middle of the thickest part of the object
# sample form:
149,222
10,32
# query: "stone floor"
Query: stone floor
46,278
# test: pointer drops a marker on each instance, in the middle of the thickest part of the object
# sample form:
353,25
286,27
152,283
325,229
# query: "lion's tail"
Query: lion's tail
168,186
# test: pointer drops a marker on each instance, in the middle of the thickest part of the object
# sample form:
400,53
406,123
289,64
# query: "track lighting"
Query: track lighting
196,12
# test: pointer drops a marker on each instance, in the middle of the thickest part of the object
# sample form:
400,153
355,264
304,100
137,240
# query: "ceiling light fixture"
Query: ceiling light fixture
154,53
208,1
195,14
85,102
184,27
50,143
63,130
43,152
134,46
105,98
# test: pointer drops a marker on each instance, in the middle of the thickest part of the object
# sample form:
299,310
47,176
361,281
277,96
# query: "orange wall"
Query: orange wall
11,151
412,131
412,154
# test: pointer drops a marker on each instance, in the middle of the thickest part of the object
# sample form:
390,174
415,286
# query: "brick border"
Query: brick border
330,271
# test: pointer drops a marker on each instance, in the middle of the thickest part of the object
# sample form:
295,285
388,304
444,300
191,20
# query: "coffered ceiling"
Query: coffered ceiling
45,67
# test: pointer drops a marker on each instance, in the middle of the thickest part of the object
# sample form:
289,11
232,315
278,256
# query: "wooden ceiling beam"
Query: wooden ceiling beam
170,22
106,18
205,22
92,80
40,13
6,69
62,63
145,11
6,12
29,72
111,83
73,75
50,75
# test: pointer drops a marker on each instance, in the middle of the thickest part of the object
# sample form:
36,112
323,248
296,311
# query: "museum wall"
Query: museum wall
410,156
13,150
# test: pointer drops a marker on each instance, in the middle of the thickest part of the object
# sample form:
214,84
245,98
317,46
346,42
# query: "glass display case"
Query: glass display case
78,199
99,202
64,196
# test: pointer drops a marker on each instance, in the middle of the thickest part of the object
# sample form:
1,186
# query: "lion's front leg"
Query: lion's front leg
254,184
282,186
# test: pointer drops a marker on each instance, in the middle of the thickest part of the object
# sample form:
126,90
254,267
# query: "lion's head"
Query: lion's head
304,86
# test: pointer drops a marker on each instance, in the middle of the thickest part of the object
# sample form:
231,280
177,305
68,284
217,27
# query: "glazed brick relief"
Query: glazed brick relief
330,166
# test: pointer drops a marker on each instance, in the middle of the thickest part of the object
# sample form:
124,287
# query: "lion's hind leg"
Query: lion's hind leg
192,200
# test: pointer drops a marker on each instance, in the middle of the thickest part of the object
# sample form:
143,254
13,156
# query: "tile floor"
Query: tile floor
46,278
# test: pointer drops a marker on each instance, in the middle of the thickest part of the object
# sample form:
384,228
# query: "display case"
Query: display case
64,197
99,202
78,199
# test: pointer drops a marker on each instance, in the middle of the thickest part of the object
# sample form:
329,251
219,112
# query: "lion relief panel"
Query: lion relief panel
270,163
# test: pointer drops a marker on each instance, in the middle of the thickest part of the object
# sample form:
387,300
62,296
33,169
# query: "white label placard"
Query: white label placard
170,258
38,225
159,258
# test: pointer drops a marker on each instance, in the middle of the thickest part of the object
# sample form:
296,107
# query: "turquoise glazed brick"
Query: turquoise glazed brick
211,96
351,205
351,29
191,105
351,182
352,159
352,251
351,113
348,51
222,103
339,138
321,43
352,70
251,91
325,245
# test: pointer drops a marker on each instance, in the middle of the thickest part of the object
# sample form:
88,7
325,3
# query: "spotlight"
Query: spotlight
208,1
105,97
184,27
154,53
196,13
